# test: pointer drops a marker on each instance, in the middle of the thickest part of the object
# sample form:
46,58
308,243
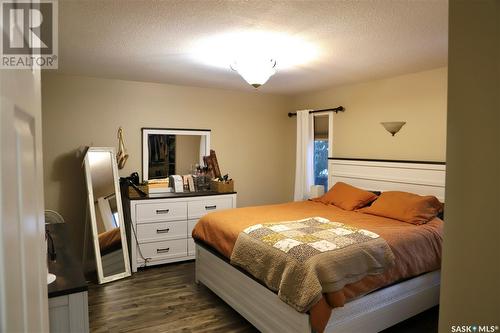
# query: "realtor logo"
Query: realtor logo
29,34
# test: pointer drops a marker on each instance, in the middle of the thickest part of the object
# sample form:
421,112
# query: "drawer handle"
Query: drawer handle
162,211
162,231
210,207
163,250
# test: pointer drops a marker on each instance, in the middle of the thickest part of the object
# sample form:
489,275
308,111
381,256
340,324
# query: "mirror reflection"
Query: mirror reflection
107,215
171,154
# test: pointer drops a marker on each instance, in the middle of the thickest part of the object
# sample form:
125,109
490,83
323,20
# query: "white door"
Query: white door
23,264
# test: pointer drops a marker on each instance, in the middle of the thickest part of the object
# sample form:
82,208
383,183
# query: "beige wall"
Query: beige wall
250,133
419,99
470,290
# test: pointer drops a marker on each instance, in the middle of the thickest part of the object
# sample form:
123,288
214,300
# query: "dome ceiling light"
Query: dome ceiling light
255,55
254,70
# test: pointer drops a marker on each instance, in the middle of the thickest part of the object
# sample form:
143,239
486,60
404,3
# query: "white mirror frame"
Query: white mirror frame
204,143
91,207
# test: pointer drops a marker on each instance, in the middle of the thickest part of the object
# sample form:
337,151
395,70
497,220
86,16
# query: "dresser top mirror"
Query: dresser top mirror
170,151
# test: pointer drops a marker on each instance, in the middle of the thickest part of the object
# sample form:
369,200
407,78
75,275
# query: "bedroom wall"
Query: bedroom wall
250,133
470,292
418,98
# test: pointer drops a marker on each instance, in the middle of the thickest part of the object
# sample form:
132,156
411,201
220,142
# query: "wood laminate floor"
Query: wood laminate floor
166,299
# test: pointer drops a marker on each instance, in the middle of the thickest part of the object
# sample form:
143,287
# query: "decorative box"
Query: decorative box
222,187
201,183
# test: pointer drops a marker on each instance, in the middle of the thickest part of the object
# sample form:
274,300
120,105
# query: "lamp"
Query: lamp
393,126
256,71
51,217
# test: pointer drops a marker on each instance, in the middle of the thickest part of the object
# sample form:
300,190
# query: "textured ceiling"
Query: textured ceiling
152,40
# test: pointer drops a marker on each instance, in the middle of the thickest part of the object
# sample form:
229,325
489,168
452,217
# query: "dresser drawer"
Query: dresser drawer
198,208
164,249
190,226
147,232
164,211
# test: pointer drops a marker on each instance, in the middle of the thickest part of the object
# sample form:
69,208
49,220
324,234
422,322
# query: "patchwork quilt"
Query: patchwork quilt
302,259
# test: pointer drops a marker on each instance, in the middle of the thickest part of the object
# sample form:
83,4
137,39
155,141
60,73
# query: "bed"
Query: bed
372,307
110,245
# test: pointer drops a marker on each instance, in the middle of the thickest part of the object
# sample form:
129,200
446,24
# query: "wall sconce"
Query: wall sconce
393,126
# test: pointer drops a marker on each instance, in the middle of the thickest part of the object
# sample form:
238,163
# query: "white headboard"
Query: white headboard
424,178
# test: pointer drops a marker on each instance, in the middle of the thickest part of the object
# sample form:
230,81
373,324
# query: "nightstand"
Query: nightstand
68,303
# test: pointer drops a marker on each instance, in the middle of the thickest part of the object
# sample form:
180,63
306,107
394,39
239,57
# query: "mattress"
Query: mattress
417,248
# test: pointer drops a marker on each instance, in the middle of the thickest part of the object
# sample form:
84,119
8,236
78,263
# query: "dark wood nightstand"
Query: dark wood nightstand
68,304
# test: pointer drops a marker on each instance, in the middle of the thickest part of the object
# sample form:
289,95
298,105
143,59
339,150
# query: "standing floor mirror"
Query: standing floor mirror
106,215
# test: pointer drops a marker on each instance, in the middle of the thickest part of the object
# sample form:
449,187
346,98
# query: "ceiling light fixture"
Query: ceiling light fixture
256,71
255,54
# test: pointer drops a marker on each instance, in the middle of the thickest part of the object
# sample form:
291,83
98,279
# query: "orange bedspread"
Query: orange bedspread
110,241
417,248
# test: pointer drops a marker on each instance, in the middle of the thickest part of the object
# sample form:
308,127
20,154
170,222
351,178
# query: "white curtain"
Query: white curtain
304,173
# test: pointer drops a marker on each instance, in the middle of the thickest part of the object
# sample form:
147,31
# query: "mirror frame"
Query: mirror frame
91,207
204,146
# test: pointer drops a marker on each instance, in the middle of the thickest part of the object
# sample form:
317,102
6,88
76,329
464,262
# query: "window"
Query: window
116,220
321,138
321,162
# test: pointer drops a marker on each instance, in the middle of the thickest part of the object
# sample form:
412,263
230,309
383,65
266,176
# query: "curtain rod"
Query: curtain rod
336,110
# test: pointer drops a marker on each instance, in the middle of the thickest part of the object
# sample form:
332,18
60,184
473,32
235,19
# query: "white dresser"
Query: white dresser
162,225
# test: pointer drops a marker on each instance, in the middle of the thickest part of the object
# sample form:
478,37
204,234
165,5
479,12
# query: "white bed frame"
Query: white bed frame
370,313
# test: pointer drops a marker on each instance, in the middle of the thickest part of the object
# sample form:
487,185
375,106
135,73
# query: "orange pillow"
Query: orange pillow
347,197
406,207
